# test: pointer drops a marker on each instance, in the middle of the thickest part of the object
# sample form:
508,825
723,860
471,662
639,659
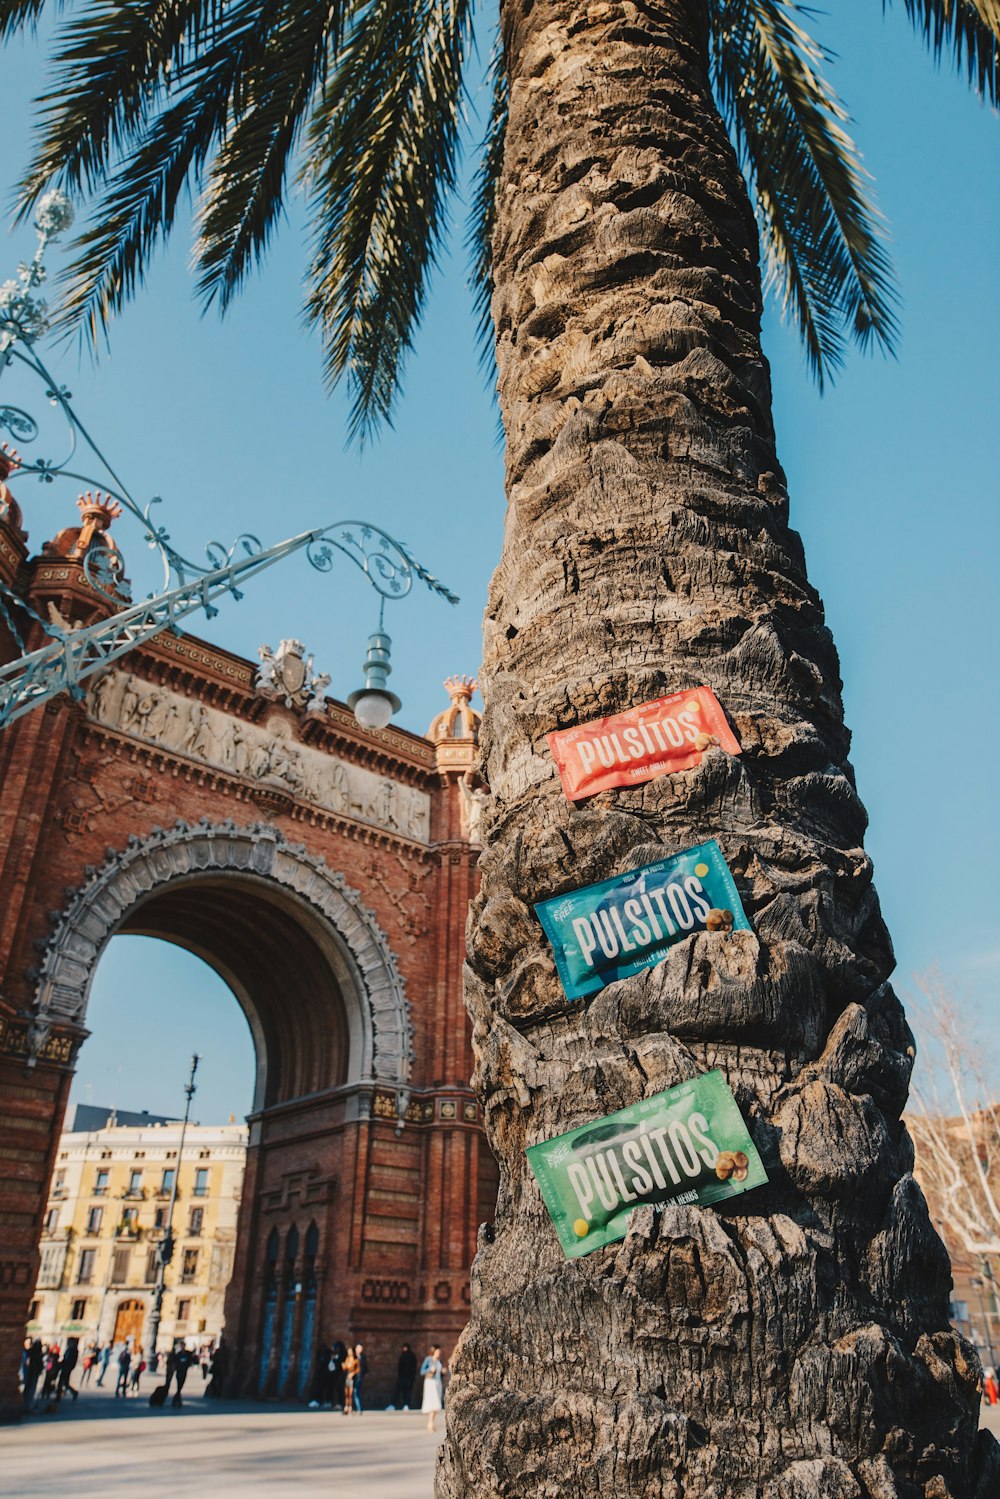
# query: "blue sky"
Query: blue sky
893,482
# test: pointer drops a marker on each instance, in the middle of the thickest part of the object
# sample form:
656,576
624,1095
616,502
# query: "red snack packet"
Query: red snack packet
668,734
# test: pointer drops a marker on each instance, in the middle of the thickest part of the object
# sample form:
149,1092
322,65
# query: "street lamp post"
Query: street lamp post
165,1248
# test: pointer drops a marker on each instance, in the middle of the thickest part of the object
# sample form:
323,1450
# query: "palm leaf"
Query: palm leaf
970,30
244,196
482,214
385,136
138,209
15,14
821,230
114,64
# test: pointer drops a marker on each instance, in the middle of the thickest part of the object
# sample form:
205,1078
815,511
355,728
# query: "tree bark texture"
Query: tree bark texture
795,1342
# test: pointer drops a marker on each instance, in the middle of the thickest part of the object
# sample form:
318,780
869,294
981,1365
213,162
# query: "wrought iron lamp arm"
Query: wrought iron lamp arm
65,662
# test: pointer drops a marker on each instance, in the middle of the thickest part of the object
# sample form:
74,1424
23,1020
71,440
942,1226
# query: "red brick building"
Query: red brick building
324,872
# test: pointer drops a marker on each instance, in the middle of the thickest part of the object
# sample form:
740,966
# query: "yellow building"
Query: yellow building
107,1212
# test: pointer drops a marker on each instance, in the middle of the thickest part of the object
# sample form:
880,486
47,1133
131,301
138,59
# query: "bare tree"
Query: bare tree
954,1119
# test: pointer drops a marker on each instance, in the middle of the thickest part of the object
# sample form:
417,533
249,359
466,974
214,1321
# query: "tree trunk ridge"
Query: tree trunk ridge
794,1342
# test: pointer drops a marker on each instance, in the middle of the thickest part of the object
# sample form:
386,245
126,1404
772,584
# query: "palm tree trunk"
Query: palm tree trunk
795,1343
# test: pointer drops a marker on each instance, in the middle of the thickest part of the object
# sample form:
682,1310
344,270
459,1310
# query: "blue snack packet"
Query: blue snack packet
609,931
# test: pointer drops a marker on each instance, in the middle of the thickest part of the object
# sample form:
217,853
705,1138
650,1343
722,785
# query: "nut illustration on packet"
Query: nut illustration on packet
602,933
688,1144
666,735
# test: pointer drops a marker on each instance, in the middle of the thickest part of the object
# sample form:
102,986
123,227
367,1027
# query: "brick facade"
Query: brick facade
325,872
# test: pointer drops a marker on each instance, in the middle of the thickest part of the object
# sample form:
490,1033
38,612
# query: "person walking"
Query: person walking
350,1367
105,1360
219,1371
359,1378
34,1363
432,1371
406,1373
124,1362
51,1366
89,1360
338,1377
69,1363
138,1369
183,1359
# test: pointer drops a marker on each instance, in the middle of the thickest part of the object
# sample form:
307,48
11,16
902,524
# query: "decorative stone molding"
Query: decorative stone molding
279,769
130,876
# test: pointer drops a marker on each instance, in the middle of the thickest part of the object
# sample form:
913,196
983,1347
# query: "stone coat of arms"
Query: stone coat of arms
286,675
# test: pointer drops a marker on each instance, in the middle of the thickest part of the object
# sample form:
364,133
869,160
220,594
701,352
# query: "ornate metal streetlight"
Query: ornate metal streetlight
165,1248
70,656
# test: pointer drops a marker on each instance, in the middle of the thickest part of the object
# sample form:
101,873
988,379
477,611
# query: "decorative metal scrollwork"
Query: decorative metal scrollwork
76,652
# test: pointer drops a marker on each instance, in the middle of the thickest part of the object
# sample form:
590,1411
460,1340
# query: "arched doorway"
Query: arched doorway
320,989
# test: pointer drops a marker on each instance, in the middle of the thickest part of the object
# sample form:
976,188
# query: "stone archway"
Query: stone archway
315,975
142,890
366,1151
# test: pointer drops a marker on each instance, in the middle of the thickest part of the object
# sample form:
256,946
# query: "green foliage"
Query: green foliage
362,99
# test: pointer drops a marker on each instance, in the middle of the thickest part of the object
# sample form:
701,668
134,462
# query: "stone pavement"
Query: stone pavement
101,1448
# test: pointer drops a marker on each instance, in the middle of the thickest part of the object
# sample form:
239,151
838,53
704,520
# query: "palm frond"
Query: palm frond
821,230
114,65
15,14
244,195
385,136
969,30
482,213
139,206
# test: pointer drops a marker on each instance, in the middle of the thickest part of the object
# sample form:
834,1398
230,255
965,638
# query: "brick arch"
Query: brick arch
115,896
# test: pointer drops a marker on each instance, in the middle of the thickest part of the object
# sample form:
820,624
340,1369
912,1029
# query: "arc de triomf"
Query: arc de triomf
324,872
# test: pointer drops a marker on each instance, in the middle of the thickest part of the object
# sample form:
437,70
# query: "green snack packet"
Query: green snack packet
609,931
687,1145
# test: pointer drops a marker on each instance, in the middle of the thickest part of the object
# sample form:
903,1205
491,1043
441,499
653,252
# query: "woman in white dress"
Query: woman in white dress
431,1371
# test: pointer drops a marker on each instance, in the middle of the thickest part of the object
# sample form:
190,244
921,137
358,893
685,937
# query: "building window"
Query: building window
119,1269
152,1267
51,1221
80,1309
130,1221
50,1272
201,1182
189,1270
59,1184
183,1310
33,1311
196,1220
135,1182
167,1181
101,1182
160,1218
94,1220
85,1274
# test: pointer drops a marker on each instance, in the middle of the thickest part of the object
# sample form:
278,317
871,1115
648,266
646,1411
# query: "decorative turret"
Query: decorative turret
455,734
74,542
459,723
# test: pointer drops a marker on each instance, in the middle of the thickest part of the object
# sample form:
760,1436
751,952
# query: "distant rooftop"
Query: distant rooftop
91,1116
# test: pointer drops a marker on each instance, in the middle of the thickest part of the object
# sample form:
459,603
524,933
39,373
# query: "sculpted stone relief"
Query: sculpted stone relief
268,756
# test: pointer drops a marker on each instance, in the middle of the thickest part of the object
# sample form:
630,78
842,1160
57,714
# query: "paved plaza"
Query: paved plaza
106,1449
101,1448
